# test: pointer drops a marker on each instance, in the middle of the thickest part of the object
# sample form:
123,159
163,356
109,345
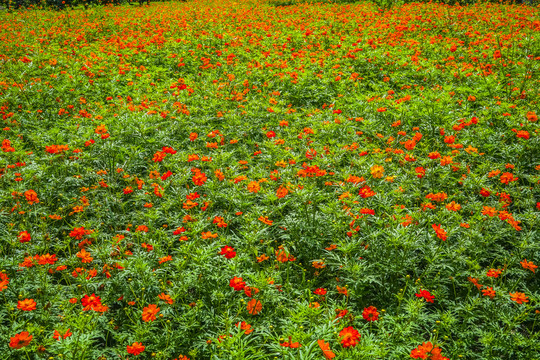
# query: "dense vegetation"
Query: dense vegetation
238,180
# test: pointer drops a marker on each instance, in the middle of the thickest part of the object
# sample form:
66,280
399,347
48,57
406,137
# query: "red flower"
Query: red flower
159,156
485,192
426,295
78,233
20,340
366,192
135,349
228,252
24,236
370,314
349,336
91,302
320,291
270,134
237,283
168,150
179,231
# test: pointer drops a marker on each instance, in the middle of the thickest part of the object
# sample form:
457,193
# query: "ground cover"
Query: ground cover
237,180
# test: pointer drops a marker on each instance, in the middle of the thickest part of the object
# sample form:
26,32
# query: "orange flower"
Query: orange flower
220,176
331,247
264,219
441,234
425,350
254,306
165,259
508,177
262,258
518,297
489,211
291,344
342,290
149,313
31,197
253,187
349,337
370,313
377,171
281,192
100,129
434,155
135,349
57,335
192,157
26,305
20,340
4,281
494,173
446,160
494,273
199,179
237,283
85,256
245,326
475,282
325,347
250,291
489,292
528,265
453,206
208,235
166,298
531,116
282,256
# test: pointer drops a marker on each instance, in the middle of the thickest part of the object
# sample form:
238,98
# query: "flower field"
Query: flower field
242,180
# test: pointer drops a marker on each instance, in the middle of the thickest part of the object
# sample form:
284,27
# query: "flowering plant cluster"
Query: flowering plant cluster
237,180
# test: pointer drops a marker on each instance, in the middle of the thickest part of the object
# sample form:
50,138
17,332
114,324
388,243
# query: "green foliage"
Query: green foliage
241,180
